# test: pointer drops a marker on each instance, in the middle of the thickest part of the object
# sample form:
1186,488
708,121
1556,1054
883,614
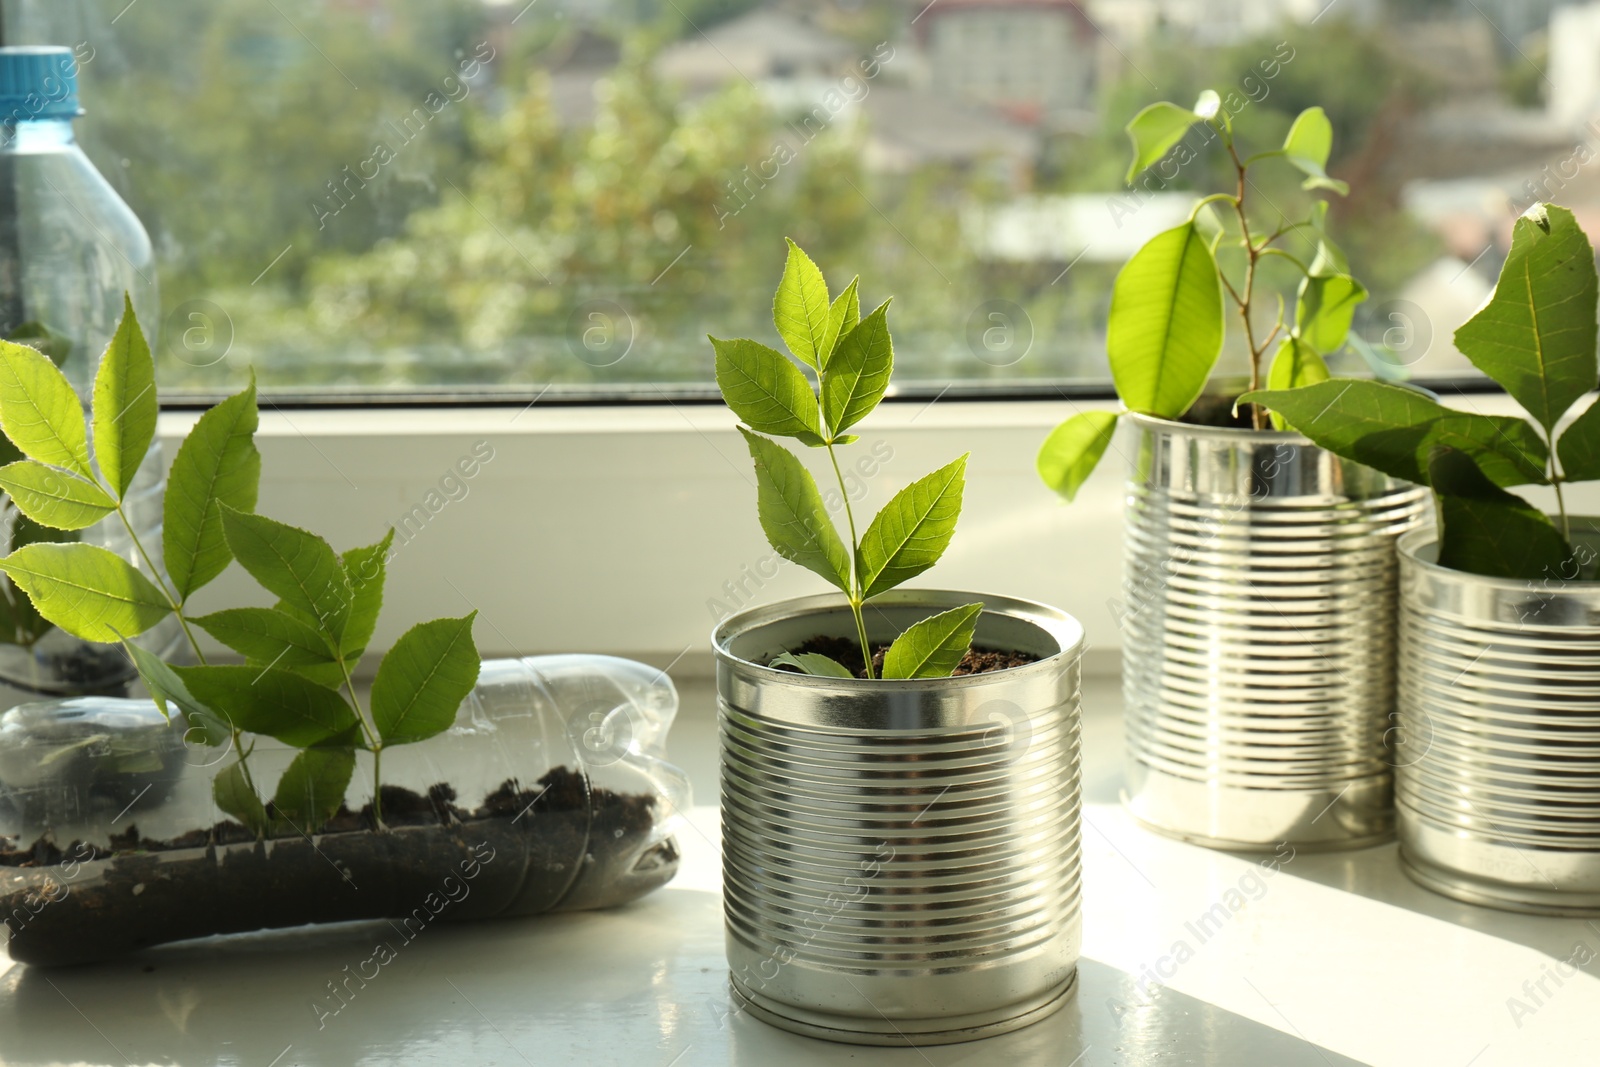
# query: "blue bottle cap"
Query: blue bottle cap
38,82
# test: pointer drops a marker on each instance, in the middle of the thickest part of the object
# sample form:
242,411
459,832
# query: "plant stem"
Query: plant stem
374,745
1243,298
856,599
1561,506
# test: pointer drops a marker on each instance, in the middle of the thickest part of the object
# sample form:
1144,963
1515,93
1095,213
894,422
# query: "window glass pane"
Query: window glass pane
439,195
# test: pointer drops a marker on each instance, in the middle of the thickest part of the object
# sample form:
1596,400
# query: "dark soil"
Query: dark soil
1210,410
562,845
847,653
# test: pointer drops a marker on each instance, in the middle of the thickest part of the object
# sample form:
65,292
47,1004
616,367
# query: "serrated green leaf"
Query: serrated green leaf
267,636
912,531
269,701
859,372
765,389
792,513
801,312
423,679
1323,311
365,568
40,412
125,404
167,688
1295,364
312,788
845,313
217,464
1486,530
232,792
1394,429
1155,131
295,564
20,618
1536,335
87,590
933,648
55,498
1166,324
1073,450
1579,446
813,663
1308,145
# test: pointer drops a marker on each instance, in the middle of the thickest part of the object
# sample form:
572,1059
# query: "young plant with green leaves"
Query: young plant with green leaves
849,359
1536,337
1168,319
296,684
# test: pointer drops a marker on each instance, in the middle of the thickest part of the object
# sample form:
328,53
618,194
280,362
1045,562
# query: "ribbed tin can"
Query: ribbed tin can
1259,637
901,859
1500,702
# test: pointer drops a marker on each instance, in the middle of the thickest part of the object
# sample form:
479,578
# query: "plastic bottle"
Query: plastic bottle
69,249
550,792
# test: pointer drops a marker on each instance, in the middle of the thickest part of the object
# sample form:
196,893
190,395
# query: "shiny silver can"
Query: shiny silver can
901,859
1500,702
1258,629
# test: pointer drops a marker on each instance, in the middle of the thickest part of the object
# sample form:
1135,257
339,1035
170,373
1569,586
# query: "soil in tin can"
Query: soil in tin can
847,653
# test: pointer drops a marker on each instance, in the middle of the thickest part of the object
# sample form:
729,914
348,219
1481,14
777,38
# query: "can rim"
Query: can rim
1066,630
1413,542
1236,434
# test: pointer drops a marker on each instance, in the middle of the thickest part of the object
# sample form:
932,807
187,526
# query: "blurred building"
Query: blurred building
1033,60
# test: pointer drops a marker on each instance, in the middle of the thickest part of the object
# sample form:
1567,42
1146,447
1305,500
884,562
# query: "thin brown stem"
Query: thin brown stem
1258,416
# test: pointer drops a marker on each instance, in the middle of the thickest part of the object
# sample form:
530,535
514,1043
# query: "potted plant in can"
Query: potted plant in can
1258,569
110,836
1499,801
900,766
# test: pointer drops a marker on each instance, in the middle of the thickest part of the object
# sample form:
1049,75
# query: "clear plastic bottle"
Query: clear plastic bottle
551,792
69,249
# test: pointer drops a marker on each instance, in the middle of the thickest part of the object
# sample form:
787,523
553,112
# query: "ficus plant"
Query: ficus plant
1536,337
296,682
1168,318
839,372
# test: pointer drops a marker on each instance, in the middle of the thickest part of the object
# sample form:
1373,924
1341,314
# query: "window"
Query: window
446,197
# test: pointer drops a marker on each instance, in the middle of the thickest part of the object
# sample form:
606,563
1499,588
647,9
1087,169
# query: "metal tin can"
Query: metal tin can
1259,637
1500,706
901,859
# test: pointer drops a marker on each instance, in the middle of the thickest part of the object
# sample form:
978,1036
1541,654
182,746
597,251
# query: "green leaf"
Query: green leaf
1324,308
269,701
295,564
231,790
801,312
167,688
1073,450
1329,260
55,498
912,531
859,372
813,663
86,590
1486,530
1579,446
845,314
1294,365
1394,429
1307,146
423,679
1154,131
125,405
18,616
792,513
40,412
765,389
217,464
365,568
312,788
37,335
268,636
933,648
1536,335
1165,329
